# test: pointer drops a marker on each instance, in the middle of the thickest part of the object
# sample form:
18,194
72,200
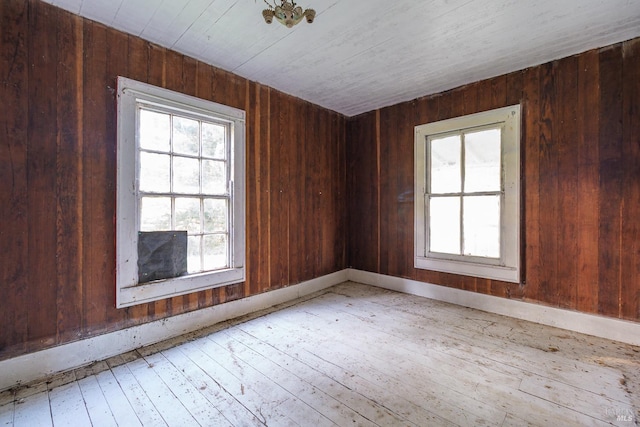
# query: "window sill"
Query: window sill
485,271
168,288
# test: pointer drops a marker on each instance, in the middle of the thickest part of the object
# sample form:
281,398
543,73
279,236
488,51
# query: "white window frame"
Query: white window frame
130,94
507,268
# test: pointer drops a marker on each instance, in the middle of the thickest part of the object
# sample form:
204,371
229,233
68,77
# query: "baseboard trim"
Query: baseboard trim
599,326
34,366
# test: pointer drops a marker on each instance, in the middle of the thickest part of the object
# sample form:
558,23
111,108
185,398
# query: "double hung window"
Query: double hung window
180,212
467,195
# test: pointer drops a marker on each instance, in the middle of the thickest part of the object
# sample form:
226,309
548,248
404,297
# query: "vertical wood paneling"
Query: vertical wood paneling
362,195
279,187
587,280
14,66
59,73
388,166
548,181
630,264
611,175
97,247
263,197
531,185
41,167
117,64
69,220
405,190
567,138
296,188
580,180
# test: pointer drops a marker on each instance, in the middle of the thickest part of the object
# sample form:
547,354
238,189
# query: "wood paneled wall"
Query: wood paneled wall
580,181
58,167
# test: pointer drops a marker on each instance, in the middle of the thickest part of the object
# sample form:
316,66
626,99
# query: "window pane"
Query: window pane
188,214
154,172
185,136
186,175
482,161
155,214
154,130
213,139
194,262
482,226
215,252
214,177
215,215
445,165
444,225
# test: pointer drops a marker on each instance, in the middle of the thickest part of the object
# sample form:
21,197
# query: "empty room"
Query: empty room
319,213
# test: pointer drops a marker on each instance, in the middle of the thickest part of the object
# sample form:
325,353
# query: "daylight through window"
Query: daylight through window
180,216
467,195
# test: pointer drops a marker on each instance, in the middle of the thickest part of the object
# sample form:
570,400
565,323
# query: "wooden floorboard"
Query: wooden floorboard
350,355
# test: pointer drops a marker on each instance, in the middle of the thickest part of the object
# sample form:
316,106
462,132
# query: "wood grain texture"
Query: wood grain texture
568,139
59,71
587,280
362,196
69,220
611,173
579,181
41,168
630,267
14,69
351,355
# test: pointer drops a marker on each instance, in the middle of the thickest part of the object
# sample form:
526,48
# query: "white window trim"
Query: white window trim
509,270
128,292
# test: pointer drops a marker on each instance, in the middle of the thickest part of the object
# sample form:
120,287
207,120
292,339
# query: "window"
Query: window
467,187
180,202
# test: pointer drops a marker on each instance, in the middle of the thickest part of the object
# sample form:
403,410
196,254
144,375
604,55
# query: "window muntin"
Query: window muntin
467,195
184,182
180,167
464,193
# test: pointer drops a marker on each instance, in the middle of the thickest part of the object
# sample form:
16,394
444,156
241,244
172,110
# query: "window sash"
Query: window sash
130,94
429,195
508,268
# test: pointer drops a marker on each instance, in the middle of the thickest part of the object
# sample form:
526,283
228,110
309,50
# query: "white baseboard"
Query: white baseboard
38,365
599,326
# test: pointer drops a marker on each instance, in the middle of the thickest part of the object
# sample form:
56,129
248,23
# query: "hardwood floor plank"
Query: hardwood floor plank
350,355
247,390
232,409
429,396
419,373
363,397
95,402
526,352
33,411
6,414
277,396
162,397
137,397
587,403
67,406
121,409
322,395
188,395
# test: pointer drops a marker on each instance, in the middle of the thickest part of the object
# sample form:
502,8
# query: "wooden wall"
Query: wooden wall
580,181
58,167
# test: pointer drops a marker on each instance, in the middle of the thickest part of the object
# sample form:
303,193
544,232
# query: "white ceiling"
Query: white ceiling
360,55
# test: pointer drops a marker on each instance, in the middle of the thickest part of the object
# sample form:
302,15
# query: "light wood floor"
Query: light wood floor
352,355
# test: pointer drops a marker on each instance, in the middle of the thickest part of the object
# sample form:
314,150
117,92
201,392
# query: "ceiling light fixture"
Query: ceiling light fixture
288,13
